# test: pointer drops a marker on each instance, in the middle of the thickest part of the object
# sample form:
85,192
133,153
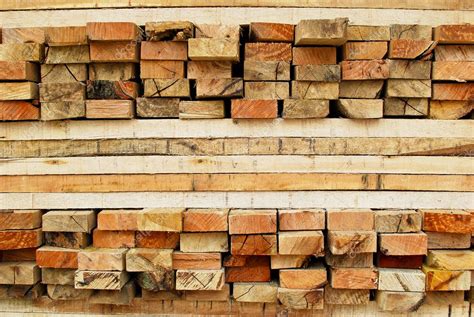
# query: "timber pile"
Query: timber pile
260,71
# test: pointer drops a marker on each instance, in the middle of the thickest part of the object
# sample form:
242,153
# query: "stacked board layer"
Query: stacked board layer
257,169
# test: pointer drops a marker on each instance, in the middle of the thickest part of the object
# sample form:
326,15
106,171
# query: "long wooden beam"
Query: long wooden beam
238,164
285,199
237,15
228,128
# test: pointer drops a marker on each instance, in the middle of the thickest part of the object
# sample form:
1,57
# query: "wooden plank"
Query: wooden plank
148,260
23,35
105,89
271,32
401,280
248,221
158,107
361,108
106,280
334,296
18,91
219,88
301,298
20,239
399,302
301,243
19,110
20,219
454,53
62,110
361,89
73,240
350,260
364,70
157,239
411,49
321,32
204,242
213,49
255,292
308,278
364,50
78,54
57,276
112,71
305,108
196,261
209,69
350,242
30,52
215,297
301,219
161,69
445,280
400,262
202,220
410,107
69,221
190,280
61,92
409,69
318,72
266,70
218,30
118,220
58,258
454,34
166,88
354,278
397,221
68,35
160,280
449,109
444,240
266,90
19,71
254,109
278,52
368,33
256,244
169,31
19,255
454,221
451,259
453,91
314,90
101,259
123,297
403,243
410,31
109,109
63,73
67,292
208,109
241,268
105,51
19,273
314,55
112,31
350,219
165,50
456,71
409,88
160,219
113,239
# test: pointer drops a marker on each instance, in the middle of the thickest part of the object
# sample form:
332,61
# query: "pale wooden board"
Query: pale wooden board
237,15
238,164
283,199
172,128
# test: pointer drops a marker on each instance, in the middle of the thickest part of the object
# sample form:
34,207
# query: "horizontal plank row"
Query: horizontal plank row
239,146
233,182
389,128
283,199
237,164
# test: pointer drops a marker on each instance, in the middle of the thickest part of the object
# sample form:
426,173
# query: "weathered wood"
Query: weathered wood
62,110
204,242
271,32
209,69
19,110
307,278
209,109
301,243
449,109
120,51
451,259
104,89
67,292
78,54
305,108
164,51
106,280
161,69
58,258
301,219
401,302
410,31
401,280
354,278
20,239
350,219
156,239
61,92
66,35
158,107
169,31
321,32
361,89
403,243
102,259
20,219
301,298
288,261
23,291
190,280
255,292
325,73
254,244
400,262
159,280
214,49
19,273
451,70
113,31
23,35
18,91
267,90
69,221
408,88
247,269
409,69
254,109
73,240
361,108
411,49
454,53
364,50
314,55
393,221
113,239
11,71
217,31
30,52
335,296
112,71
444,298
166,88
314,90
453,91
123,297
350,242
279,52
410,107
368,33
444,240
148,260
454,221
454,34
364,70
202,220
219,88
350,260
63,73
109,109
196,261
445,280
266,70
57,276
